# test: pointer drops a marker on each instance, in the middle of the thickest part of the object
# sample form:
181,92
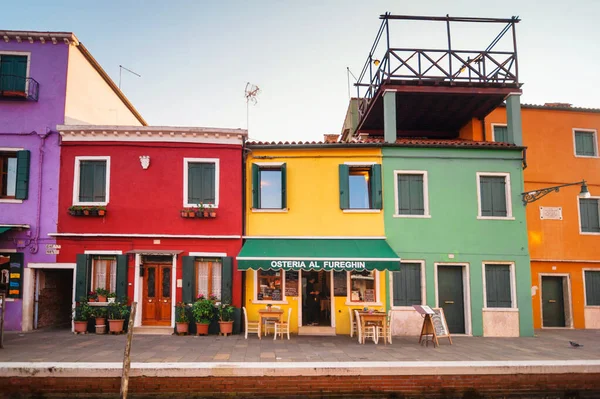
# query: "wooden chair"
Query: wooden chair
269,322
388,333
249,326
283,327
370,330
353,329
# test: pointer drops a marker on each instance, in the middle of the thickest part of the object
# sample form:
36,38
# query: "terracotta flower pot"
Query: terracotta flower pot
226,327
202,329
206,214
184,214
100,321
191,214
183,327
115,325
80,326
101,298
213,214
101,212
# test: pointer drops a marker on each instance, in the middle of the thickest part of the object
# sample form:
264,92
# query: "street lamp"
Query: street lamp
532,196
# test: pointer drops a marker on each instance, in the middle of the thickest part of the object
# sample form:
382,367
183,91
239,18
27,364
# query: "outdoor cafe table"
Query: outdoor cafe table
267,314
379,318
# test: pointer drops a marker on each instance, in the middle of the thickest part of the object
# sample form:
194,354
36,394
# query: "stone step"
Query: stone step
153,330
316,330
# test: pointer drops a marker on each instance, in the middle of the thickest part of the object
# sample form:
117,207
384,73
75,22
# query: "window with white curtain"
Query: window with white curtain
208,277
104,273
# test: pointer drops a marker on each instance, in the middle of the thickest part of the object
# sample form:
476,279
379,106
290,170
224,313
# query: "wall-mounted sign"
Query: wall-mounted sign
11,274
550,212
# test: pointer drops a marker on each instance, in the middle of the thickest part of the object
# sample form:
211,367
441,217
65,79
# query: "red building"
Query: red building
145,236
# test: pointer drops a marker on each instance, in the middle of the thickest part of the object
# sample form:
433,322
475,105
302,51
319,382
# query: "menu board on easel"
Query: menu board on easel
340,283
434,325
439,323
291,283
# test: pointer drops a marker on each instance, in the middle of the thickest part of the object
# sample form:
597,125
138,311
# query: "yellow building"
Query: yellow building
315,234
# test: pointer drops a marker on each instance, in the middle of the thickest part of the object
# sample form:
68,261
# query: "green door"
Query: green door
553,304
451,297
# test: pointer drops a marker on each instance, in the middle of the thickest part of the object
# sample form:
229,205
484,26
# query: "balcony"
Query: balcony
18,88
439,88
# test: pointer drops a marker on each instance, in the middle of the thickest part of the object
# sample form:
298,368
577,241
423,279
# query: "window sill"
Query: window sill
585,233
586,156
99,303
363,304
90,203
10,201
495,218
413,216
403,308
500,309
261,210
592,306
361,210
257,302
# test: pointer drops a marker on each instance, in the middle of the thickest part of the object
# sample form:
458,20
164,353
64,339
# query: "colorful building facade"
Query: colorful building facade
46,78
563,229
152,245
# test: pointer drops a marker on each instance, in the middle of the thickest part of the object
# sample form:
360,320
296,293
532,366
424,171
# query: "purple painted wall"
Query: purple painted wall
32,126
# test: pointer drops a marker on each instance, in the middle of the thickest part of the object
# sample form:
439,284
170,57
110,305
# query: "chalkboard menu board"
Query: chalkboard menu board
291,283
276,295
369,295
11,274
439,323
340,284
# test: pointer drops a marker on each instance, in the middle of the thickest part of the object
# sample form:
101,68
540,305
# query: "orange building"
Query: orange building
564,226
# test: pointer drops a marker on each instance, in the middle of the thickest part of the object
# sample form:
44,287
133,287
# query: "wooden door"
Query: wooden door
157,305
451,297
553,304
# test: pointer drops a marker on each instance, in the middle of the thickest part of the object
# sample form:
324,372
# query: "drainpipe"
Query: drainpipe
35,247
36,299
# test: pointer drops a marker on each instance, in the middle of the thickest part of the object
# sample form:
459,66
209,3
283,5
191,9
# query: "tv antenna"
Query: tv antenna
251,92
121,67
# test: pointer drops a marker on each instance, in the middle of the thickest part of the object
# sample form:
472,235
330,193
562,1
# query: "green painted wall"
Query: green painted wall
453,227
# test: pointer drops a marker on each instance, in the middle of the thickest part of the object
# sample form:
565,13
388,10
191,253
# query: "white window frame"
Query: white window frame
588,269
513,285
494,133
94,253
423,286
186,162
15,150
579,215
25,54
76,178
283,301
377,302
595,135
361,164
267,165
425,193
507,193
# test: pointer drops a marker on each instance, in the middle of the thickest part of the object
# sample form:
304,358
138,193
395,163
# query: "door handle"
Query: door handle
165,301
552,300
449,302
149,300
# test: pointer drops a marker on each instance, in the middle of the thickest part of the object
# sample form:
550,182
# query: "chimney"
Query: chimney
558,105
331,138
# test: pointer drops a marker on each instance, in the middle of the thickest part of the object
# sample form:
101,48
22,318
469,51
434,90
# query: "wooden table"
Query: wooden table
379,318
267,314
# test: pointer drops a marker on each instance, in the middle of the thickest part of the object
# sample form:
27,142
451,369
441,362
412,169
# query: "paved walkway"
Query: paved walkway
63,346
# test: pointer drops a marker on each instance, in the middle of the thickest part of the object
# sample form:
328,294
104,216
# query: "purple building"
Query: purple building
46,79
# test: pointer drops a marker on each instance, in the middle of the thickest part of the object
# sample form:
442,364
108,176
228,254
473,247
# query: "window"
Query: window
585,143
498,291
360,186
500,133
411,193
208,275
269,186
269,285
13,73
589,219
494,195
104,273
406,285
592,287
201,181
14,174
92,176
363,286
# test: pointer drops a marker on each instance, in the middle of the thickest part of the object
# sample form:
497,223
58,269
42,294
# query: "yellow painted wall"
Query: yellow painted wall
313,211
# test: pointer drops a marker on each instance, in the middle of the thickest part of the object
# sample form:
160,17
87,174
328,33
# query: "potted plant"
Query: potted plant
111,297
184,212
200,210
205,212
101,210
191,212
86,210
100,314
203,311
92,296
213,213
117,312
181,318
82,313
102,294
225,312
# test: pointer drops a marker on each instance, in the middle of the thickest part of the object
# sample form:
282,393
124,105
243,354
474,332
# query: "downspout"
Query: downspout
483,127
524,158
35,247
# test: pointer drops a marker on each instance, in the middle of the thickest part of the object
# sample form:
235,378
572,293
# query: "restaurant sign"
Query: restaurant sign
318,265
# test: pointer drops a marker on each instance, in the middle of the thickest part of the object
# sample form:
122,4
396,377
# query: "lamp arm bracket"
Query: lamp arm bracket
532,196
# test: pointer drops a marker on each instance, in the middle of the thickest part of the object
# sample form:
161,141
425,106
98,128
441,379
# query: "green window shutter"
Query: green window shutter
283,186
407,285
208,183
592,288
501,134
227,280
13,71
23,161
588,214
193,183
344,186
584,144
99,181
92,181
82,276
410,195
255,186
201,183
376,189
121,288
188,290
493,196
497,286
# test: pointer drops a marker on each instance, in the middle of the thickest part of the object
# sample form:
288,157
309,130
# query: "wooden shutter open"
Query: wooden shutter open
188,294
344,186
22,187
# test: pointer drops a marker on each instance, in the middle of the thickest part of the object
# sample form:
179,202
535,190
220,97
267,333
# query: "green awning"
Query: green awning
318,254
4,229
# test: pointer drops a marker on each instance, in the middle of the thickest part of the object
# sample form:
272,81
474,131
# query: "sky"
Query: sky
196,57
